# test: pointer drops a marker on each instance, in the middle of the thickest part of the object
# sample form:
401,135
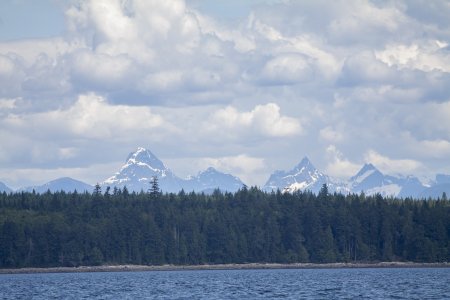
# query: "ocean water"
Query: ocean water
414,283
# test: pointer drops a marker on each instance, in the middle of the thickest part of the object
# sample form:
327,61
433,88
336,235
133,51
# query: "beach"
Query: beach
245,266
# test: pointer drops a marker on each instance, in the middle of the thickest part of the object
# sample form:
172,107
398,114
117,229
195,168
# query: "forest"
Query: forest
151,228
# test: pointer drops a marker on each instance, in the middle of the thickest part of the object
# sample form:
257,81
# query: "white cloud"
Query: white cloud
391,166
286,69
338,166
63,134
263,120
364,68
91,116
248,169
301,74
101,69
426,56
329,134
434,148
7,104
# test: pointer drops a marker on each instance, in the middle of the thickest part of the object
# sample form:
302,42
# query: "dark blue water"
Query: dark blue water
233,284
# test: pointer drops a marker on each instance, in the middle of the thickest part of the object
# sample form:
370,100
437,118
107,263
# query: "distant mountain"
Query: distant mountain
138,171
411,187
303,176
440,185
442,179
4,188
142,165
211,179
66,184
436,191
369,180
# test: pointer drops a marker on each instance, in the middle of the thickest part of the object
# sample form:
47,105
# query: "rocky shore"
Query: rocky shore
248,266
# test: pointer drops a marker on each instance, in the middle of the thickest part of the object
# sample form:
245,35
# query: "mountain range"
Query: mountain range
369,180
141,165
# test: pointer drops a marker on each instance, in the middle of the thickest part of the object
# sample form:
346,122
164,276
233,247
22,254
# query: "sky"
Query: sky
247,87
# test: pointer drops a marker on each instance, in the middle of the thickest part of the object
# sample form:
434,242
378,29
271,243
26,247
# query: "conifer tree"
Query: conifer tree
154,189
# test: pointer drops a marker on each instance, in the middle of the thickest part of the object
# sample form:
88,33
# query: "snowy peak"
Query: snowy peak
370,180
138,170
304,176
142,165
304,164
365,171
4,188
143,156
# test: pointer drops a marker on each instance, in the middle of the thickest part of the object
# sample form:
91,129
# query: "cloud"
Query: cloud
263,120
364,22
101,70
368,77
286,69
388,165
56,135
247,168
363,68
427,56
7,104
331,135
22,177
338,166
90,117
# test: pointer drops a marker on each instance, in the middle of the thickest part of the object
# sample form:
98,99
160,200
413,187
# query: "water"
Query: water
233,284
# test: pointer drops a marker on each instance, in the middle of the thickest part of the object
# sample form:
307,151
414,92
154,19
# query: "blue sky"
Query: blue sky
245,86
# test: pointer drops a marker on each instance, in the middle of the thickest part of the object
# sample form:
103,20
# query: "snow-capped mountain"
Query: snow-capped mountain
439,186
368,180
142,165
211,179
303,177
4,188
371,181
138,171
66,184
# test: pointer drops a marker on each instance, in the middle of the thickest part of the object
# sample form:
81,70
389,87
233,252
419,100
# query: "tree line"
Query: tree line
119,227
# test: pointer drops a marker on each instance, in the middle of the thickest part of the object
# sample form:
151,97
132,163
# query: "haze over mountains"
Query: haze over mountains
142,165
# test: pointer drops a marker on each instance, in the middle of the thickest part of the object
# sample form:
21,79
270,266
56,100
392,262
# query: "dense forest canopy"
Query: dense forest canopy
118,227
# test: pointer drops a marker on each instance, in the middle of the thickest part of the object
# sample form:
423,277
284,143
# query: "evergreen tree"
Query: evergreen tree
97,190
154,187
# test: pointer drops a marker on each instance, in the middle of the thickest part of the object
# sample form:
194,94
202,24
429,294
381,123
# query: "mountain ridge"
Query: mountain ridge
368,179
141,165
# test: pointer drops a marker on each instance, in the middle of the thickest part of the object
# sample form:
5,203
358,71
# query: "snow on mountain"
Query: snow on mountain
138,171
142,165
4,188
371,181
411,187
302,177
368,180
436,191
211,179
440,185
66,184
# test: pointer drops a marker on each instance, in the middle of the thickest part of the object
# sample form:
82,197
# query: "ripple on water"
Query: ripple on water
233,284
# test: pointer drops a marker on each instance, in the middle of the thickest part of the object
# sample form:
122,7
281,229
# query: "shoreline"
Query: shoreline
246,266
